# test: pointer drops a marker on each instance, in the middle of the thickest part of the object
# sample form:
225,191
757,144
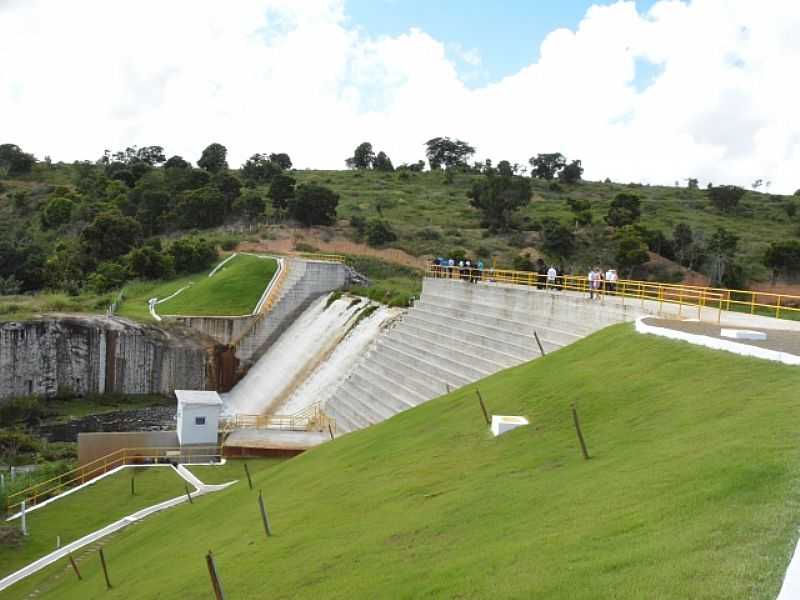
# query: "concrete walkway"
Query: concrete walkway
200,490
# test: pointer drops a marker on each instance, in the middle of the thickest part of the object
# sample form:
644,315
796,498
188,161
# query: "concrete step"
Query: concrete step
391,392
559,331
457,336
408,376
435,358
343,423
517,346
348,405
365,404
476,357
402,357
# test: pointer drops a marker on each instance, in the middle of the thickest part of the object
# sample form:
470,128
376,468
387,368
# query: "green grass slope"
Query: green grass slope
87,510
692,491
233,290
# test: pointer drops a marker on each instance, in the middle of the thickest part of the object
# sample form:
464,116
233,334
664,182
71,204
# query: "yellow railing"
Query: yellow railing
718,299
336,258
43,490
311,418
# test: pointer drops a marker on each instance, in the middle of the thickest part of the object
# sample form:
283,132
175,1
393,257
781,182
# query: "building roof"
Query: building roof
197,397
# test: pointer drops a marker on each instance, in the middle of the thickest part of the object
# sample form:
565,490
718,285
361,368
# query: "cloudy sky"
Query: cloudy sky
653,91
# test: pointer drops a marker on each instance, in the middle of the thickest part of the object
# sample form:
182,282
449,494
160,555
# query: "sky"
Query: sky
653,91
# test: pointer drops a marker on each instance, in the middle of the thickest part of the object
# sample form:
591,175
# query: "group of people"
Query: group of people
465,269
547,277
600,282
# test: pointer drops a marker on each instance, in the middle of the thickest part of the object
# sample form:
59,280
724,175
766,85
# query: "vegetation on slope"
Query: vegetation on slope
87,510
691,491
233,290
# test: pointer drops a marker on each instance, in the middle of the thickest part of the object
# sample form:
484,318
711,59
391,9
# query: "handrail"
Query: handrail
337,258
311,418
719,299
83,473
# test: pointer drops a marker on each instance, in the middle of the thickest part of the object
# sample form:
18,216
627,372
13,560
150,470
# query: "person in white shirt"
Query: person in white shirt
595,282
611,280
551,277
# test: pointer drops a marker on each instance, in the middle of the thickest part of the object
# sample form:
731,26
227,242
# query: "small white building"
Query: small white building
198,417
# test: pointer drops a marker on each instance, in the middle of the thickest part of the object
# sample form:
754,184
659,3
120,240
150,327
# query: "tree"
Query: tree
314,205
504,169
497,198
363,157
177,162
557,239
152,155
214,158
13,161
107,276
444,152
281,190
725,197
152,207
150,261
722,249
379,232
682,240
250,204
547,166
692,183
57,212
259,169
382,162
625,210
229,186
631,251
571,173
783,257
282,160
201,208
192,254
110,235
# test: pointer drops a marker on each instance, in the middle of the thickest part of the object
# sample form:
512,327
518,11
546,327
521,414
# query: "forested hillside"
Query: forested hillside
88,228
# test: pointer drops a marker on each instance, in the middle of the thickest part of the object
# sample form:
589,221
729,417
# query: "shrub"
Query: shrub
380,232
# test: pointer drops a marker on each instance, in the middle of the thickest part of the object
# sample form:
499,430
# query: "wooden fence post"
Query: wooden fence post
188,494
215,582
330,430
75,567
541,348
264,515
575,420
105,569
247,472
483,408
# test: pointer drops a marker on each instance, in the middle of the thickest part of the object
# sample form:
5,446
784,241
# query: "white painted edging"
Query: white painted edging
90,538
222,264
270,287
717,344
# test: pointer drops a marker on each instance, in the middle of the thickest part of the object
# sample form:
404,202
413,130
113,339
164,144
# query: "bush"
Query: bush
27,410
430,234
380,232
192,254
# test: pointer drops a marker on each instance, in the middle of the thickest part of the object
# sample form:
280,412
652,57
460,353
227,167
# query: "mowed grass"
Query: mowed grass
89,509
691,492
233,470
233,290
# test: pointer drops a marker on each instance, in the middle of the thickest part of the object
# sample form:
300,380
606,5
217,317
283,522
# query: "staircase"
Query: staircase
455,334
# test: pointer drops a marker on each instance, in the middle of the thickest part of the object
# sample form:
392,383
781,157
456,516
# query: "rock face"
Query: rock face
93,354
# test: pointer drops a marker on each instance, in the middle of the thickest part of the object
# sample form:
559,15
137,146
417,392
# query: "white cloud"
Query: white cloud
291,75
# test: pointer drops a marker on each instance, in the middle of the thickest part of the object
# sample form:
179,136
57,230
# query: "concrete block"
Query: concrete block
504,423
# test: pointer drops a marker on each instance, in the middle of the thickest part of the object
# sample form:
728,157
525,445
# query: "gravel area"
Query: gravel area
777,339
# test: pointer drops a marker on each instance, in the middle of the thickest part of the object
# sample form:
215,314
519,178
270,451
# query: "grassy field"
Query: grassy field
692,492
233,470
234,290
89,509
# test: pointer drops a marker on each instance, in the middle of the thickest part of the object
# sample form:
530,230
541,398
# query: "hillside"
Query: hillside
691,491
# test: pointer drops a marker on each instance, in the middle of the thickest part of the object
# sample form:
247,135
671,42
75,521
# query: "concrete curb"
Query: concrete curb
717,344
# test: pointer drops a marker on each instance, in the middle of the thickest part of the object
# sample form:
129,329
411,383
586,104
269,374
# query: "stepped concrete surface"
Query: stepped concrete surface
459,332
306,280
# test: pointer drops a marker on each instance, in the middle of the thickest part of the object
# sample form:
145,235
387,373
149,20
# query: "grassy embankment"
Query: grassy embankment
87,510
233,290
691,491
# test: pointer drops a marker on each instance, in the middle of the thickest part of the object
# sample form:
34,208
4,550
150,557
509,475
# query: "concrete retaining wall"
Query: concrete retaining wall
223,329
87,354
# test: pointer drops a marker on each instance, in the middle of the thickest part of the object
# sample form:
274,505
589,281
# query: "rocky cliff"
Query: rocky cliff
94,354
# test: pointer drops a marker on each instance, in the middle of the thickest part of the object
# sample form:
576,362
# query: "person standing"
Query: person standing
551,277
611,281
